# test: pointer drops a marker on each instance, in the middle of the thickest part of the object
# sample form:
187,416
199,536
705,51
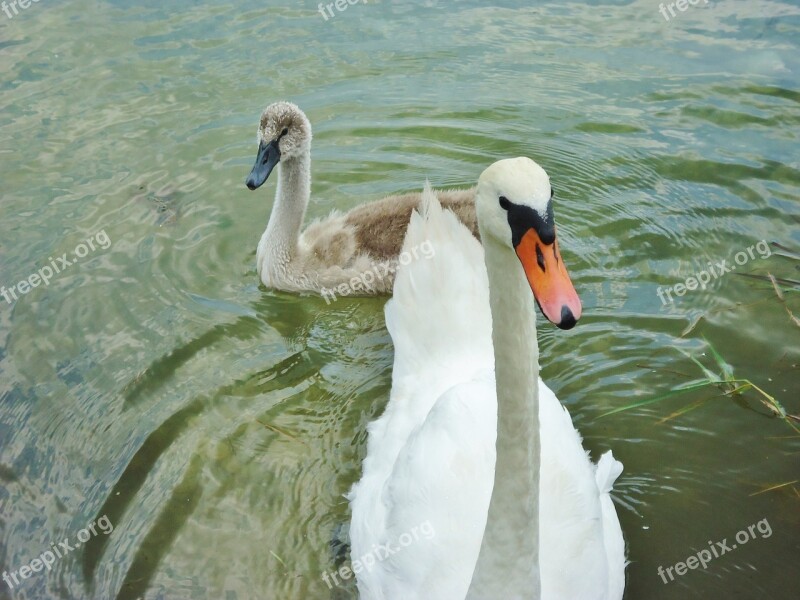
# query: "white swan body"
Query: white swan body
437,455
353,253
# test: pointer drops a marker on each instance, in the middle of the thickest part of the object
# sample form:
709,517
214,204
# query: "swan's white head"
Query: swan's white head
283,133
514,204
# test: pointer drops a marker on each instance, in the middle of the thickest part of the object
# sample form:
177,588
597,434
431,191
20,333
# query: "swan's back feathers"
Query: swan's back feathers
442,384
380,227
433,299
449,285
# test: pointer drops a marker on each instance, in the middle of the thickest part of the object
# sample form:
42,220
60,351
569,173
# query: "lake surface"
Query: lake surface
155,385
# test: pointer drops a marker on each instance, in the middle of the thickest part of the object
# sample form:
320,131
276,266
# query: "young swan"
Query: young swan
354,253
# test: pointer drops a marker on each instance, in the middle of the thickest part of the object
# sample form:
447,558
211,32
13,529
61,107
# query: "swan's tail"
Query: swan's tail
608,469
438,310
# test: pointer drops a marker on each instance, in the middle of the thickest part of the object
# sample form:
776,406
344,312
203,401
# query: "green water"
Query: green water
217,424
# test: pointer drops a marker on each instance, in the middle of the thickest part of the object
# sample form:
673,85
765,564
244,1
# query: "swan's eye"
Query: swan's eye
552,193
285,131
505,204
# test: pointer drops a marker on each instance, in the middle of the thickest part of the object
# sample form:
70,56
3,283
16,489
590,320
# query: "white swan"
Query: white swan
496,470
331,256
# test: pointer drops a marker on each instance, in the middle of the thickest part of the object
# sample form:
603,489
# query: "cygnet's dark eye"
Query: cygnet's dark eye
285,131
505,204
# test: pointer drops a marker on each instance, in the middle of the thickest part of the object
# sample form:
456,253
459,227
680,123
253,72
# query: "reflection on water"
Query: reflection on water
217,424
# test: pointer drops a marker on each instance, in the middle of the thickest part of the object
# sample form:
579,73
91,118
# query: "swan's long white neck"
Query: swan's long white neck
508,564
278,245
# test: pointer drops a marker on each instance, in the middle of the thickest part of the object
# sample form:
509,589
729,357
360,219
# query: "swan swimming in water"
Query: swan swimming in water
332,253
473,446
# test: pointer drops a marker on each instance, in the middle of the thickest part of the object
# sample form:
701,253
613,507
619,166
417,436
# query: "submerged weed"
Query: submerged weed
723,379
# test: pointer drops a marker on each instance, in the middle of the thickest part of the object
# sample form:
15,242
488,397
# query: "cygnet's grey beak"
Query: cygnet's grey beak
268,156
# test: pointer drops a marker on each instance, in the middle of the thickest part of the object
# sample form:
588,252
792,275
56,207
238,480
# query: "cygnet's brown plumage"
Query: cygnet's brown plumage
354,253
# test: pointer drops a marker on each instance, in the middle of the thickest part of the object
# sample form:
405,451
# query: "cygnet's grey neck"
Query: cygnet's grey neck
291,200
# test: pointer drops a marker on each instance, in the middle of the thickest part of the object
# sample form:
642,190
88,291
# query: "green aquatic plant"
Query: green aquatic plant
725,380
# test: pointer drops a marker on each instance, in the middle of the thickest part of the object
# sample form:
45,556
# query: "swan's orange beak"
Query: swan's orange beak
549,280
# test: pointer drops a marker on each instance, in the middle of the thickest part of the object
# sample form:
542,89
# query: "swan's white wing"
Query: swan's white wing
430,456
435,501
582,554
